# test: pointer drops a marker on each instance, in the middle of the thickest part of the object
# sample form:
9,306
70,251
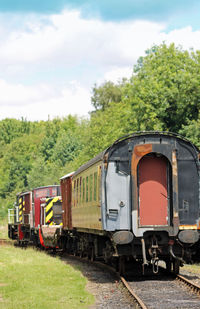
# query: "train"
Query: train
138,200
33,211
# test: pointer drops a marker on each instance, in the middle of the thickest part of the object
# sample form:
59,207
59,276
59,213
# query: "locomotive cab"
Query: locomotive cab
51,221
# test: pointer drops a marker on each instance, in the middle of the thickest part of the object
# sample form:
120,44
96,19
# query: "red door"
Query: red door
153,202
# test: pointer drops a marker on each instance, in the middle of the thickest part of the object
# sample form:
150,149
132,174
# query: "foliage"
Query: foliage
192,131
12,128
104,128
163,94
106,94
35,154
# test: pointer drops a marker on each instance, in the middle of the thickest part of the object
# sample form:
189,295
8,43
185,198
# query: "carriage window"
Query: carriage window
95,186
83,196
99,182
91,187
77,199
80,190
86,189
74,192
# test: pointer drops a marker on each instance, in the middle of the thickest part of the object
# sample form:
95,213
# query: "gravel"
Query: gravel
108,291
192,276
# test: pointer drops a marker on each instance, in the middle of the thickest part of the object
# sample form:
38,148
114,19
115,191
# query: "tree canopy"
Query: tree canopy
162,94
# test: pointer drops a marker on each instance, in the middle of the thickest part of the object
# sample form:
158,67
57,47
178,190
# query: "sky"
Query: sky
52,52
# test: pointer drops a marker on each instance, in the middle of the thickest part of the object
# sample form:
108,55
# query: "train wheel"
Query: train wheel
91,255
168,266
176,267
121,265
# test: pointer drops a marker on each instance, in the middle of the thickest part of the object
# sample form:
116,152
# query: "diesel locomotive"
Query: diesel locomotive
33,213
136,201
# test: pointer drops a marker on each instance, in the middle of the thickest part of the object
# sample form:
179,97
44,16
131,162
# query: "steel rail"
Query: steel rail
131,291
5,242
193,286
138,302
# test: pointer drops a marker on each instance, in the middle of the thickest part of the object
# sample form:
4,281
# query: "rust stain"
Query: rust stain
139,151
175,188
188,227
174,163
176,221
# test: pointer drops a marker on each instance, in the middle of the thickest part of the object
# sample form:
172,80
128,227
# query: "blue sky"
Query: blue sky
107,10
53,51
178,12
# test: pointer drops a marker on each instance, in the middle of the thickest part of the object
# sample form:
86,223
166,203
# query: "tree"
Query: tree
192,131
16,163
67,147
104,128
106,94
164,92
13,128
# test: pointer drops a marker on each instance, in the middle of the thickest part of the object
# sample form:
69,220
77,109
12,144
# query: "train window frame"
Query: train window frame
99,183
95,186
74,192
83,195
77,192
91,188
80,187
87,191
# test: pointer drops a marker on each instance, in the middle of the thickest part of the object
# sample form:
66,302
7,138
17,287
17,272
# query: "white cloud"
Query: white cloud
41,102
185,37
41,46
68,38
117,74
19,94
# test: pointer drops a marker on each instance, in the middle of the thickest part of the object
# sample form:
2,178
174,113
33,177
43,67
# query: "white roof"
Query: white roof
67,176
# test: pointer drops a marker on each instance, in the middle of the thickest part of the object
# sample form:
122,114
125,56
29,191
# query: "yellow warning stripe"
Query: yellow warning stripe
51,203
50,215
20,209
49,206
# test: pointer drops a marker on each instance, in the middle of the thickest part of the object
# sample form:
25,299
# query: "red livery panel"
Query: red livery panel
153,195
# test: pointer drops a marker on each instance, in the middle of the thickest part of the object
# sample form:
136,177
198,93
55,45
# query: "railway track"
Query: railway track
5,242
163,291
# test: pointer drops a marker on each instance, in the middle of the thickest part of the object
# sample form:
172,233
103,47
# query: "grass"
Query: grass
4,228
195,268
33,280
